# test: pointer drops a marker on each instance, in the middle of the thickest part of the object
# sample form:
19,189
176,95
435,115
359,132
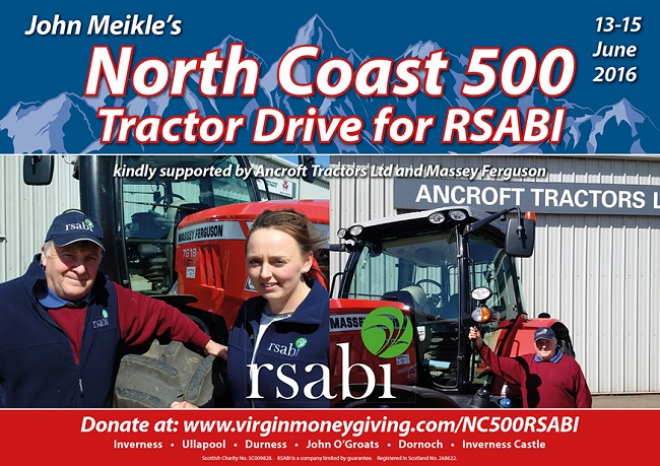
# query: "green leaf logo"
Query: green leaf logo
301,342
104,313
386,332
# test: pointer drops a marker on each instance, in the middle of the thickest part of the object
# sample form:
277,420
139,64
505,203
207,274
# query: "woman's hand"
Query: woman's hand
183,405
216,349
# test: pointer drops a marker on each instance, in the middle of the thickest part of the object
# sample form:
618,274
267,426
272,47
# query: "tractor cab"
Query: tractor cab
428,265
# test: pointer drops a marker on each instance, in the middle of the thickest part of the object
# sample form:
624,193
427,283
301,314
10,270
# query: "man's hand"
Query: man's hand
216,349
476,336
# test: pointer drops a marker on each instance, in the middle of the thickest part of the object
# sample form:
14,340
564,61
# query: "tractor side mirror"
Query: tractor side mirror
520,237
308,162
38,170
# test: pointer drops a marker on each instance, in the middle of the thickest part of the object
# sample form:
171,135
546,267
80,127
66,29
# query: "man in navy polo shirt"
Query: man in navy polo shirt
63,325
548,379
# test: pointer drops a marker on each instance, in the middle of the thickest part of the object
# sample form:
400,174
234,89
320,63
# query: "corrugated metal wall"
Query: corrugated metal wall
599,274
27,211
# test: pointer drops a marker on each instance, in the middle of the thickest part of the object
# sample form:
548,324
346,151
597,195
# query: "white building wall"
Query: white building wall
27,211
599,274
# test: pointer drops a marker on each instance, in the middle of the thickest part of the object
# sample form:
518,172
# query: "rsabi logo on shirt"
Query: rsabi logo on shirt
100,323
291,350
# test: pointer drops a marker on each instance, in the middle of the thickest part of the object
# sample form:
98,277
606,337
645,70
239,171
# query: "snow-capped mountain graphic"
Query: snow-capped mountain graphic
35,127
619,128
67,123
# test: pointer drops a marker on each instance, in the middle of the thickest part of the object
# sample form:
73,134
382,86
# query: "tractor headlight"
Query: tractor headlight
481,314
356,230
437,218
458,215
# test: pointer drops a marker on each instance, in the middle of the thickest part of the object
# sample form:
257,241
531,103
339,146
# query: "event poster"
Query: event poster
382,113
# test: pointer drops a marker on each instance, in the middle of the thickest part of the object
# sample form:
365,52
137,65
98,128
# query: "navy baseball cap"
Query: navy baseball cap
544,333
72,226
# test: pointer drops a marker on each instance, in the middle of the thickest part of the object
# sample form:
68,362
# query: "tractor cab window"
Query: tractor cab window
420,272
423,266
491,267
163,191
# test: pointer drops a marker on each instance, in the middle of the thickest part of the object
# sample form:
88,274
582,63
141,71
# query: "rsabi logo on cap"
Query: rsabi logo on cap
80,226
72,226
544,333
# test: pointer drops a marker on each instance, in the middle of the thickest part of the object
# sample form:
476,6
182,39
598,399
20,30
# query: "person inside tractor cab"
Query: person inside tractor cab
548,378
63,325
286,329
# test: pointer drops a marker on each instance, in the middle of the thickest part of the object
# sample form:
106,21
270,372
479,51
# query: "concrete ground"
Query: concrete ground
626,401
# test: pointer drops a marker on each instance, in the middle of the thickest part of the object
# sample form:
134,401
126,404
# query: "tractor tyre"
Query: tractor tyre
167,373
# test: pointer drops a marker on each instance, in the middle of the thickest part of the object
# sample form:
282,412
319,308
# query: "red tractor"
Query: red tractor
438,272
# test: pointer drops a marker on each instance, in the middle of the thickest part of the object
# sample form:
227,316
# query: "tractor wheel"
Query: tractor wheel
167,373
